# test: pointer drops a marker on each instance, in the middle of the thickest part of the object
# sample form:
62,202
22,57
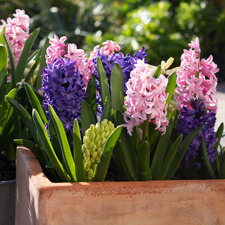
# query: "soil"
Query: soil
7,169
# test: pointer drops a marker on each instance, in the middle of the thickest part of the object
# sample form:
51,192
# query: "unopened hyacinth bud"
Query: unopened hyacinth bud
93,144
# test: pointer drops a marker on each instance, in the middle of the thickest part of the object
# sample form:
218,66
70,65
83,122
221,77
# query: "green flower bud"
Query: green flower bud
87,155
90,145
87,166
98,128
94,141
90,175
94,156
86,140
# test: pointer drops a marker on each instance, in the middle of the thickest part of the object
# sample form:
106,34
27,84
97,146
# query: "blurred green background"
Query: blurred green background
164,28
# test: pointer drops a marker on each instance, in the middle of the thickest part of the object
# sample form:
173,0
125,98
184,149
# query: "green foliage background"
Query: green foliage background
163,27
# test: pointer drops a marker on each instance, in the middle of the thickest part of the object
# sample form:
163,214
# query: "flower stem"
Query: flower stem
145,128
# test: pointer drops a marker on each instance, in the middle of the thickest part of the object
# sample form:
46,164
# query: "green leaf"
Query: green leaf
103,83
3,57
172,81
169,158
105,158
33,68
127,148
219,134
144,161
91,91
181,152
105,113
157,72
25,117
38,82
3,83
6,111
78,155
161,151
64,145
55,142
2,36
207,162
12,64
87,116
222,166
117,86
35,103
24,55
43,135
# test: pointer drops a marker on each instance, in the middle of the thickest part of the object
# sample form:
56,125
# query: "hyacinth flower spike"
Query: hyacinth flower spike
197,104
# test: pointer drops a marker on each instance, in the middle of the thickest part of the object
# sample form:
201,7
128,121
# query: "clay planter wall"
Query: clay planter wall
42,202
7,202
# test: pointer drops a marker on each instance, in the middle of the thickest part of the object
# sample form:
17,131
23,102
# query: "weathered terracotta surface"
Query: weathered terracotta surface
42,202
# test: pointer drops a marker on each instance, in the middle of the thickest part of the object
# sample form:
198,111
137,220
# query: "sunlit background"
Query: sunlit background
164,28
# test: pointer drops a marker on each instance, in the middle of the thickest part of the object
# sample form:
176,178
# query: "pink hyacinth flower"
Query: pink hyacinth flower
17,32
146,98
196,78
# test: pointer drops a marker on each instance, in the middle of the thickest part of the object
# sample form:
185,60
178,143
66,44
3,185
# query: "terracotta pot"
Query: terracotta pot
42,202
7,202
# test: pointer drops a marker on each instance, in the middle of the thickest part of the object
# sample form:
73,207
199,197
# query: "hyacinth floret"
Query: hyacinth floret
109,57
146,98
64,90
196,78
93,145
189,120
58,49
17,32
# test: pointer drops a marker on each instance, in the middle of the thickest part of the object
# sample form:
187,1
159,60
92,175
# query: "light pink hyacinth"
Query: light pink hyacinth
196,78
17,32
109,48
146,98
59,49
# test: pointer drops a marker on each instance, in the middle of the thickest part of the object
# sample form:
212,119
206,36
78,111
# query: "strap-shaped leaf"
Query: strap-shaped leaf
144,161
169,158
33,68
161,150
103,83
219,134
3,57
25,117
35,103
181,152
106,112
64,145
91,91
6,110
3,84
172,80
117,87
127,148
24,55
87,116
2,36
207,162
47,146
55,142
38,81
103,165
78,155
12,64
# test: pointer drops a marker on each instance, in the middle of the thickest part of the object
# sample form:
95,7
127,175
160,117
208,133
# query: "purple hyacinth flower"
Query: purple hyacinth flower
64,90
189,120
